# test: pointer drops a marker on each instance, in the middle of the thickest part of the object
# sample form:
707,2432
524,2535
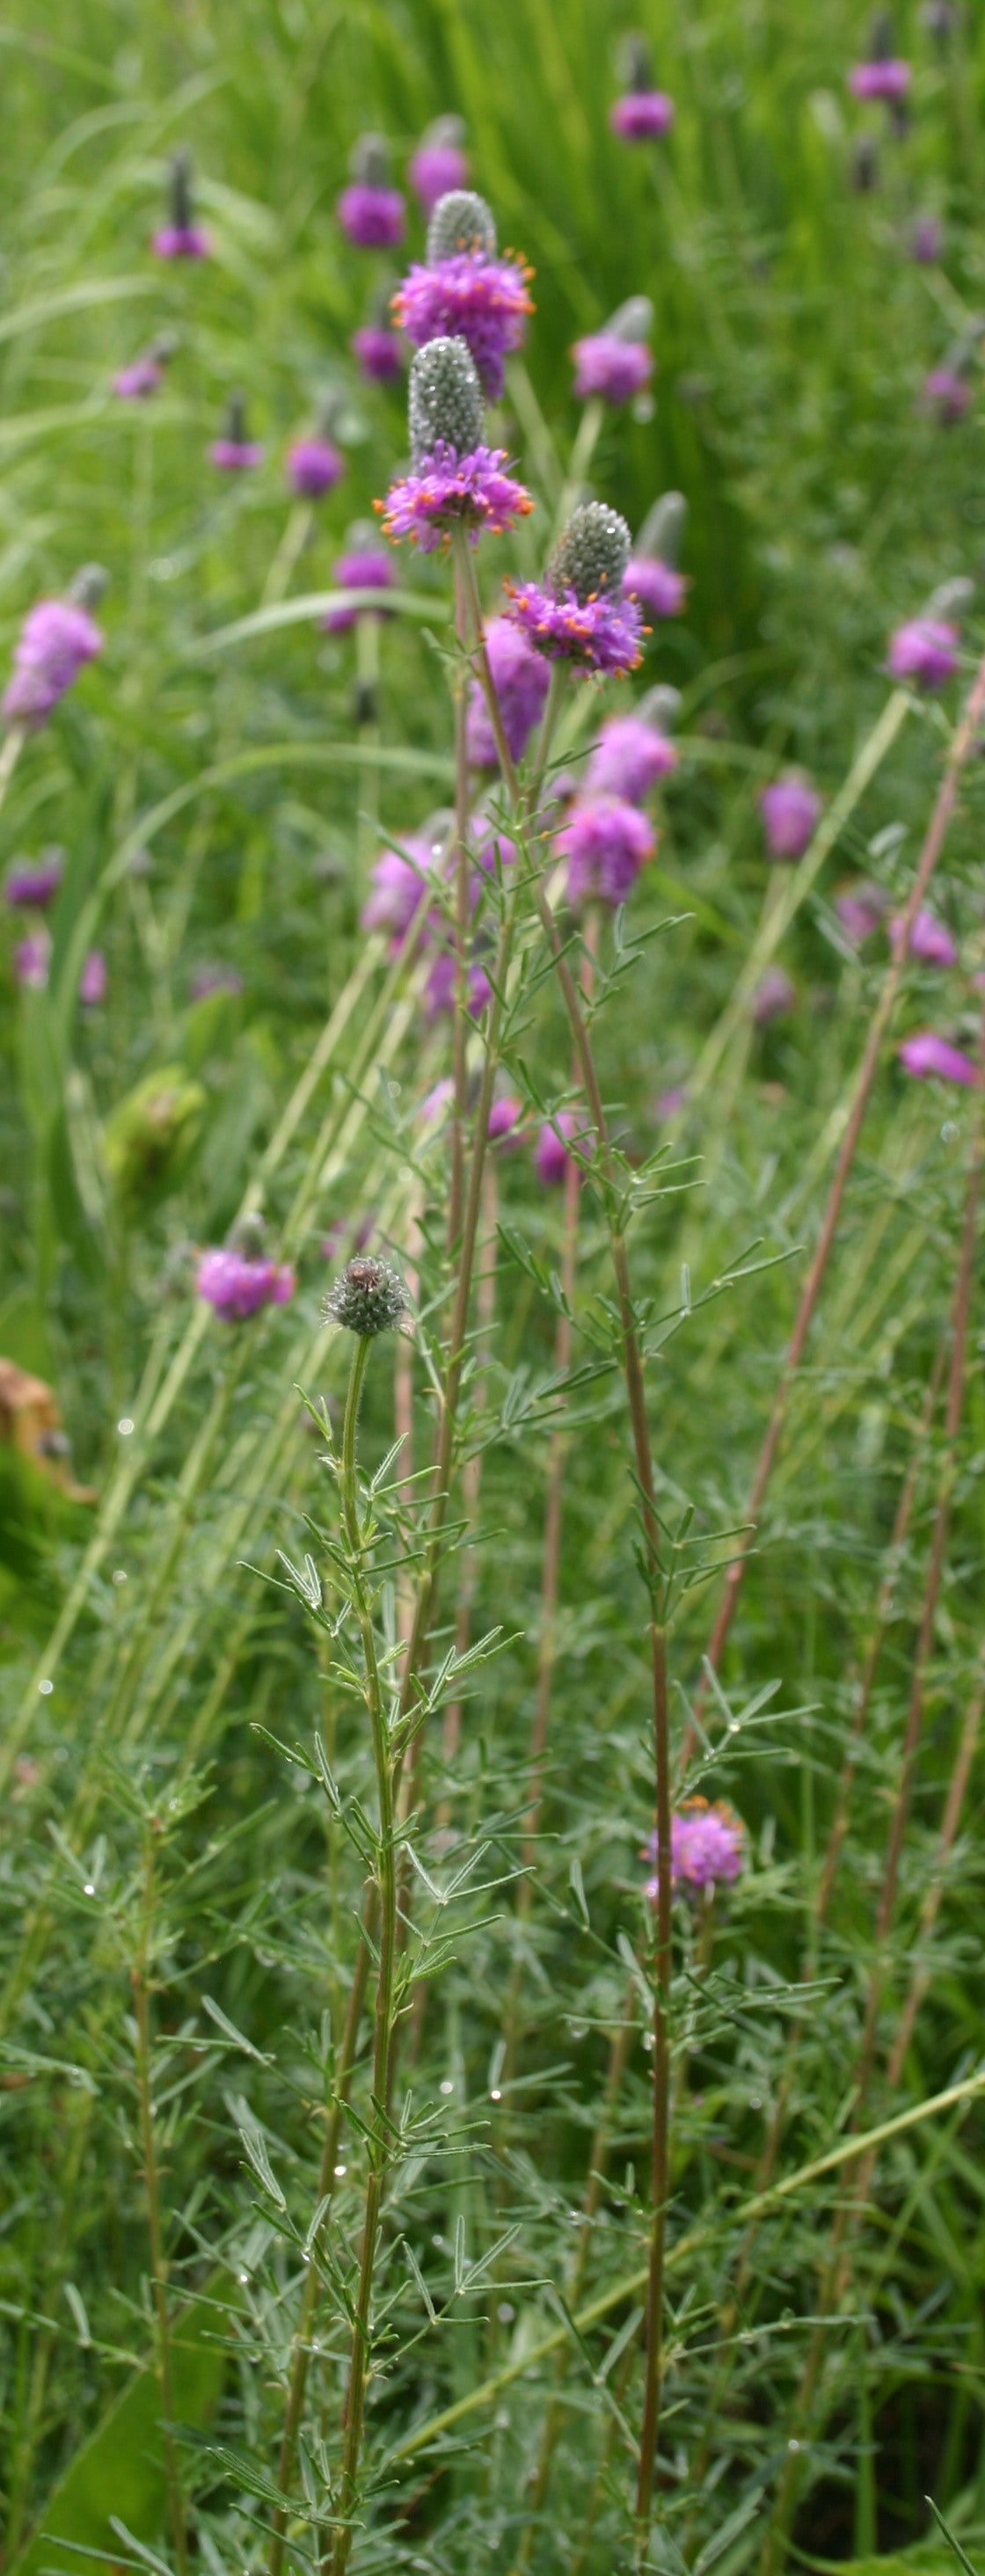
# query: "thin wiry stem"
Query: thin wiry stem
159,2266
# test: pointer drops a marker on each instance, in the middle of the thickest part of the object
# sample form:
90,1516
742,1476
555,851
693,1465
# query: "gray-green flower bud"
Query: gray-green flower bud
663,528
368,1297
445,400
369,161
591,553
89,586
632,320
461,221
634,62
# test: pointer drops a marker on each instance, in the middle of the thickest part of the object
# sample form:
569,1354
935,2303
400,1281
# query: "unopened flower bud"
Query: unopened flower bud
461,221
369,161
632,320
445,400
90,585
663,528
368,1297
863,170
634,62
592,552
181,189
661,707
951,598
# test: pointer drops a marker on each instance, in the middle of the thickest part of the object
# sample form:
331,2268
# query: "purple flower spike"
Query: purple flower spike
774,996
56,640
181,237
707,1848
31,887
930,941
366,568
439,163
927,240
465,290
440,991
521,681
372,217
401,881
94,980
378,353
659,587
551,1157
238,1286
790,811
615,369
642,116
861,909
505,1118
606,842
931,1059
629,758
32,957
446,488
945,396
594,635
925,650
314,466
889,79
137,382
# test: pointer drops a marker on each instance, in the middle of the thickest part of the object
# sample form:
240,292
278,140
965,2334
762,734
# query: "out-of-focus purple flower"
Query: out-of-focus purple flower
143,377
378,353
790,810
606,842
707,1848
659,587
56,640
214,979
930,940
945,396
471,295
369,211
629,758
437,1101
440,990
926,241
446,489
365,568
32,957
609,366
439,163
551,1156
924,650
32,884
234,452
933,1059
238,1286
94,980
181,237
505,1118
888,79
642,115
592,634
521,681
401,881
314,466
774,996
861,908
669,1103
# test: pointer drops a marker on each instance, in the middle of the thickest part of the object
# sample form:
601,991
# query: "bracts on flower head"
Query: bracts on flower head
454,478
369,210
465,289
369,1297
578,614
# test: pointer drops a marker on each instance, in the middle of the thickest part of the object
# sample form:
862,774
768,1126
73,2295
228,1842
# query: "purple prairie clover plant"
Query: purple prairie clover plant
401,881
924,650
370,212
644,113
521,681
930,940
551,1156
465,290
56,641
790,810
239,1284
235,452
181,237
861,909
364,566
378,353
577,614
610,367
32,958
888,79
142,378
773,998
32,884
930,1058
455,480
369,1297
707,1849
630,758
652,576
926,240
439,164
94,980
606,842
945,396
441,987
313,468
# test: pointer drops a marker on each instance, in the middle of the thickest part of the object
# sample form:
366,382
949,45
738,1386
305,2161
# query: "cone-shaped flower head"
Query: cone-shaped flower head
882,74
630,757
378,353
33,884
924,650
643,113
181,237
369,210
606,842
651,574
314,466
934,1059
239,1283
454,477
56,640
790,809
578,615
235,452
615,363
707,1848
369,1297
439,165
465,290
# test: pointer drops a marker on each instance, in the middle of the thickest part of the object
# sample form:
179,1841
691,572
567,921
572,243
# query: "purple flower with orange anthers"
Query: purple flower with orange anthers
465,290
455,480
578,614
439,163
629,758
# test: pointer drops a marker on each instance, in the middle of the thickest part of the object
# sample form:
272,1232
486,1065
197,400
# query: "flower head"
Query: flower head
659,587
57,639
505,1116
932,1059
378,353
94,979
606,842
889,79
629,758
774,996
441,987
461,221
945,395
707,1848
439,164
181,237
464,290
143,377
364,566
32,884
578,615
454,477
644,113
615,362
930,940
551,1156
314,466
790,810
32,957
924,650
926,240
238,1284
521,681
369,210
401,881
860,909
234,452
369,1297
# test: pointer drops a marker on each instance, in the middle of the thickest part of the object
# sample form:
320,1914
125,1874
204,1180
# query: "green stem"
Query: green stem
159,2267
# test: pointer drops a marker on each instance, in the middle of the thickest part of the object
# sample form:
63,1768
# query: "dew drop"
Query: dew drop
340,2170
89,1889
495,2094
447,2086
125,1427
46,1689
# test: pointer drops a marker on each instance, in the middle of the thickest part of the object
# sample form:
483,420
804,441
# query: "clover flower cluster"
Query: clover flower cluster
56,641
791,811
455,479
606,839
238,1279
615,364
707,1849
578,614
643,113
464,289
